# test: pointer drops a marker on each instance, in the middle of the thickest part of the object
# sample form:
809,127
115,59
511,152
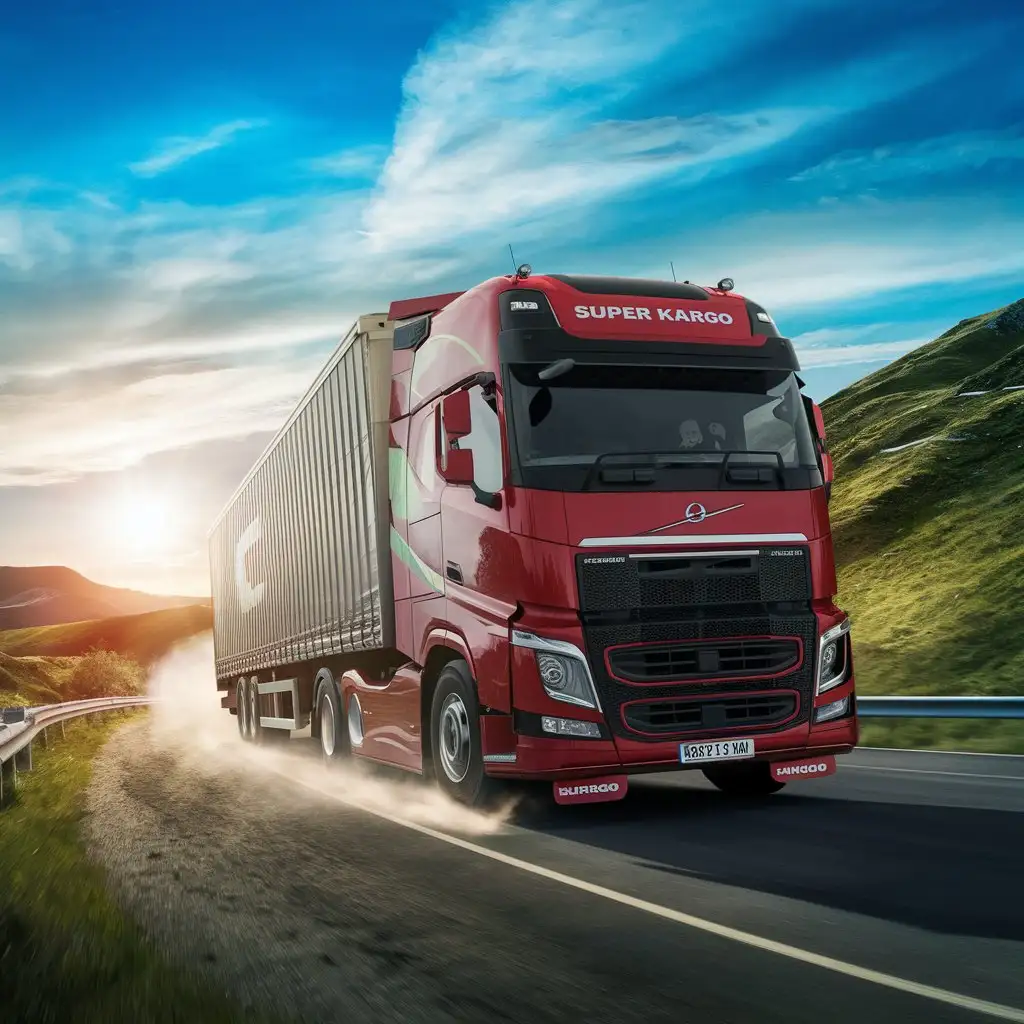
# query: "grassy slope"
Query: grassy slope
33,680
145,637
66,952
930,540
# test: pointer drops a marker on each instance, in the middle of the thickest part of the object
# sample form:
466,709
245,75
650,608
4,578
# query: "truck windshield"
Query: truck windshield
674,421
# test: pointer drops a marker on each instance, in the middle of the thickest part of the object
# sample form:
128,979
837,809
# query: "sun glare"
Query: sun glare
143,521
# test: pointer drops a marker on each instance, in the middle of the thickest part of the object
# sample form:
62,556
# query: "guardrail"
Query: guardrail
20,727
940,707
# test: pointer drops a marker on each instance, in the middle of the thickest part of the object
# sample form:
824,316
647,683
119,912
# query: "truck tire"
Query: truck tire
242,709
333,727
753,779
457,753
252,711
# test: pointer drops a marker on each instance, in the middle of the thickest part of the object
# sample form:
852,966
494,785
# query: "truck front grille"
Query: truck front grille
672,637
705,659
658,717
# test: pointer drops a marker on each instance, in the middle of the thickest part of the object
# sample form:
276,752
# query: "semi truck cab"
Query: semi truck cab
613,520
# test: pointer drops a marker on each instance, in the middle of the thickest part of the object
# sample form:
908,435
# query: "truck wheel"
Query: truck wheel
334,741
743,780
253,712
242,709
455,738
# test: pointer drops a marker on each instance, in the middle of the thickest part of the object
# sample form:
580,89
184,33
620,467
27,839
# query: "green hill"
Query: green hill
145,637
930,536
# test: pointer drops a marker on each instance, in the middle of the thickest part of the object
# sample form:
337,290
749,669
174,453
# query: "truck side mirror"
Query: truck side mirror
827,468
454,464
456,421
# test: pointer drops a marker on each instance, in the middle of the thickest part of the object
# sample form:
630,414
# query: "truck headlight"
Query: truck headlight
564,672
833,657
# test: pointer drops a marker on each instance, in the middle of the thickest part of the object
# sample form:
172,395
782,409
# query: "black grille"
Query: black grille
671,717
750,610
721,659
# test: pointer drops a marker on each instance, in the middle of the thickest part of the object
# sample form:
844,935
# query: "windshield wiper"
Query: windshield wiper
650,460
641,467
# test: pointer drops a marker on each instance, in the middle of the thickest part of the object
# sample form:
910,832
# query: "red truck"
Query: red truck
554,527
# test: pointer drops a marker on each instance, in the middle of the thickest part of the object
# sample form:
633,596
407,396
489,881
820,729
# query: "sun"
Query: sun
143,521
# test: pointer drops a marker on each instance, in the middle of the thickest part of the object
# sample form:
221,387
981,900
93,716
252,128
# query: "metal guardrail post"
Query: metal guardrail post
23,759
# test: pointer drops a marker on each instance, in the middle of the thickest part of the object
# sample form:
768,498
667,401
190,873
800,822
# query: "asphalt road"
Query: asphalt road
668,906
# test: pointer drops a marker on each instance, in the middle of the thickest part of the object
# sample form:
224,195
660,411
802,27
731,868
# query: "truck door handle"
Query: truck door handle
453,571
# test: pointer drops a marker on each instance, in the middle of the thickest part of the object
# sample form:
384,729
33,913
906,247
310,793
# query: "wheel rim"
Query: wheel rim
254,708
327,735
454,738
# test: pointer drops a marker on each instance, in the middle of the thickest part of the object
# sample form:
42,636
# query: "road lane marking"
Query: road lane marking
929,771
938,995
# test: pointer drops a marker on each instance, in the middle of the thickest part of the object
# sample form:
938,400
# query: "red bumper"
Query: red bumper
558,758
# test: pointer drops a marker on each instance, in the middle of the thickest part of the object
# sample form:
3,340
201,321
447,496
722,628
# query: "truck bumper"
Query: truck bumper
508,754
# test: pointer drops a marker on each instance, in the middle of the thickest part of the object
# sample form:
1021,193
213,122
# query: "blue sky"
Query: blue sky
196,199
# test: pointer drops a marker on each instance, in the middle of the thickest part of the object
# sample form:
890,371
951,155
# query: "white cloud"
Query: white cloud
961,151
179,148
273,337
844,252
813,357
504,125
71,434
357,162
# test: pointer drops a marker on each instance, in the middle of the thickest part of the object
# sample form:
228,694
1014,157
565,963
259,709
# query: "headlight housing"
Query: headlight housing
564,672
833,657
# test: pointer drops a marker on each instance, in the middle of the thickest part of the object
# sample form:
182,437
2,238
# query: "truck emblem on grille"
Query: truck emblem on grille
695,513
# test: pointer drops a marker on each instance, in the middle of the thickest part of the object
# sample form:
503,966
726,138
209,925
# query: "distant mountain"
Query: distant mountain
53,594
928,512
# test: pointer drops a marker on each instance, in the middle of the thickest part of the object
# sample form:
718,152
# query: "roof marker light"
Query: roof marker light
524,271
726,284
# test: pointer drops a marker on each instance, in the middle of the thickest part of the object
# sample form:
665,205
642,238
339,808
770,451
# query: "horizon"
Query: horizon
178,259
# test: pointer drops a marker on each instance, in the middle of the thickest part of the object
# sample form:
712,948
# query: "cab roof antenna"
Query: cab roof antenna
513,255
673,268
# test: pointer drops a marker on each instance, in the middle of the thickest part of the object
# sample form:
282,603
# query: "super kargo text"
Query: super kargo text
690,316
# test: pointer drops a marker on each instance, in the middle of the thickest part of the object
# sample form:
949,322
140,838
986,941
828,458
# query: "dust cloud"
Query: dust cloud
187,717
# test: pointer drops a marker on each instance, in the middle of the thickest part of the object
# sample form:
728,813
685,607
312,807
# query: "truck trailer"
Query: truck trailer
554,527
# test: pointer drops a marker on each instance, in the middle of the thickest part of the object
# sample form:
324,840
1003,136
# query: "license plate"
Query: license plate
715,750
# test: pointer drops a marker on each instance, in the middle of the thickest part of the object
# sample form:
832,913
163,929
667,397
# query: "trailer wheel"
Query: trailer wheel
455,738
253,712
753,779
242,708
333,731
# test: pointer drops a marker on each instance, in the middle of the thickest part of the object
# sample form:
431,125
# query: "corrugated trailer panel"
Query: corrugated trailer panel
300,559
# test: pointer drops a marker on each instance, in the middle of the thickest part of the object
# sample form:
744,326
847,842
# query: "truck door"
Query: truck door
480,556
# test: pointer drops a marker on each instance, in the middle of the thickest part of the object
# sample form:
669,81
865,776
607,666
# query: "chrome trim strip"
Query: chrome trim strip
722,538
702,554
499,758
520,638
696,519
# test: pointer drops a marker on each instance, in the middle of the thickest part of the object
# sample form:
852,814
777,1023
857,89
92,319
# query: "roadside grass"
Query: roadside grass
145,638
34,680
66,951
